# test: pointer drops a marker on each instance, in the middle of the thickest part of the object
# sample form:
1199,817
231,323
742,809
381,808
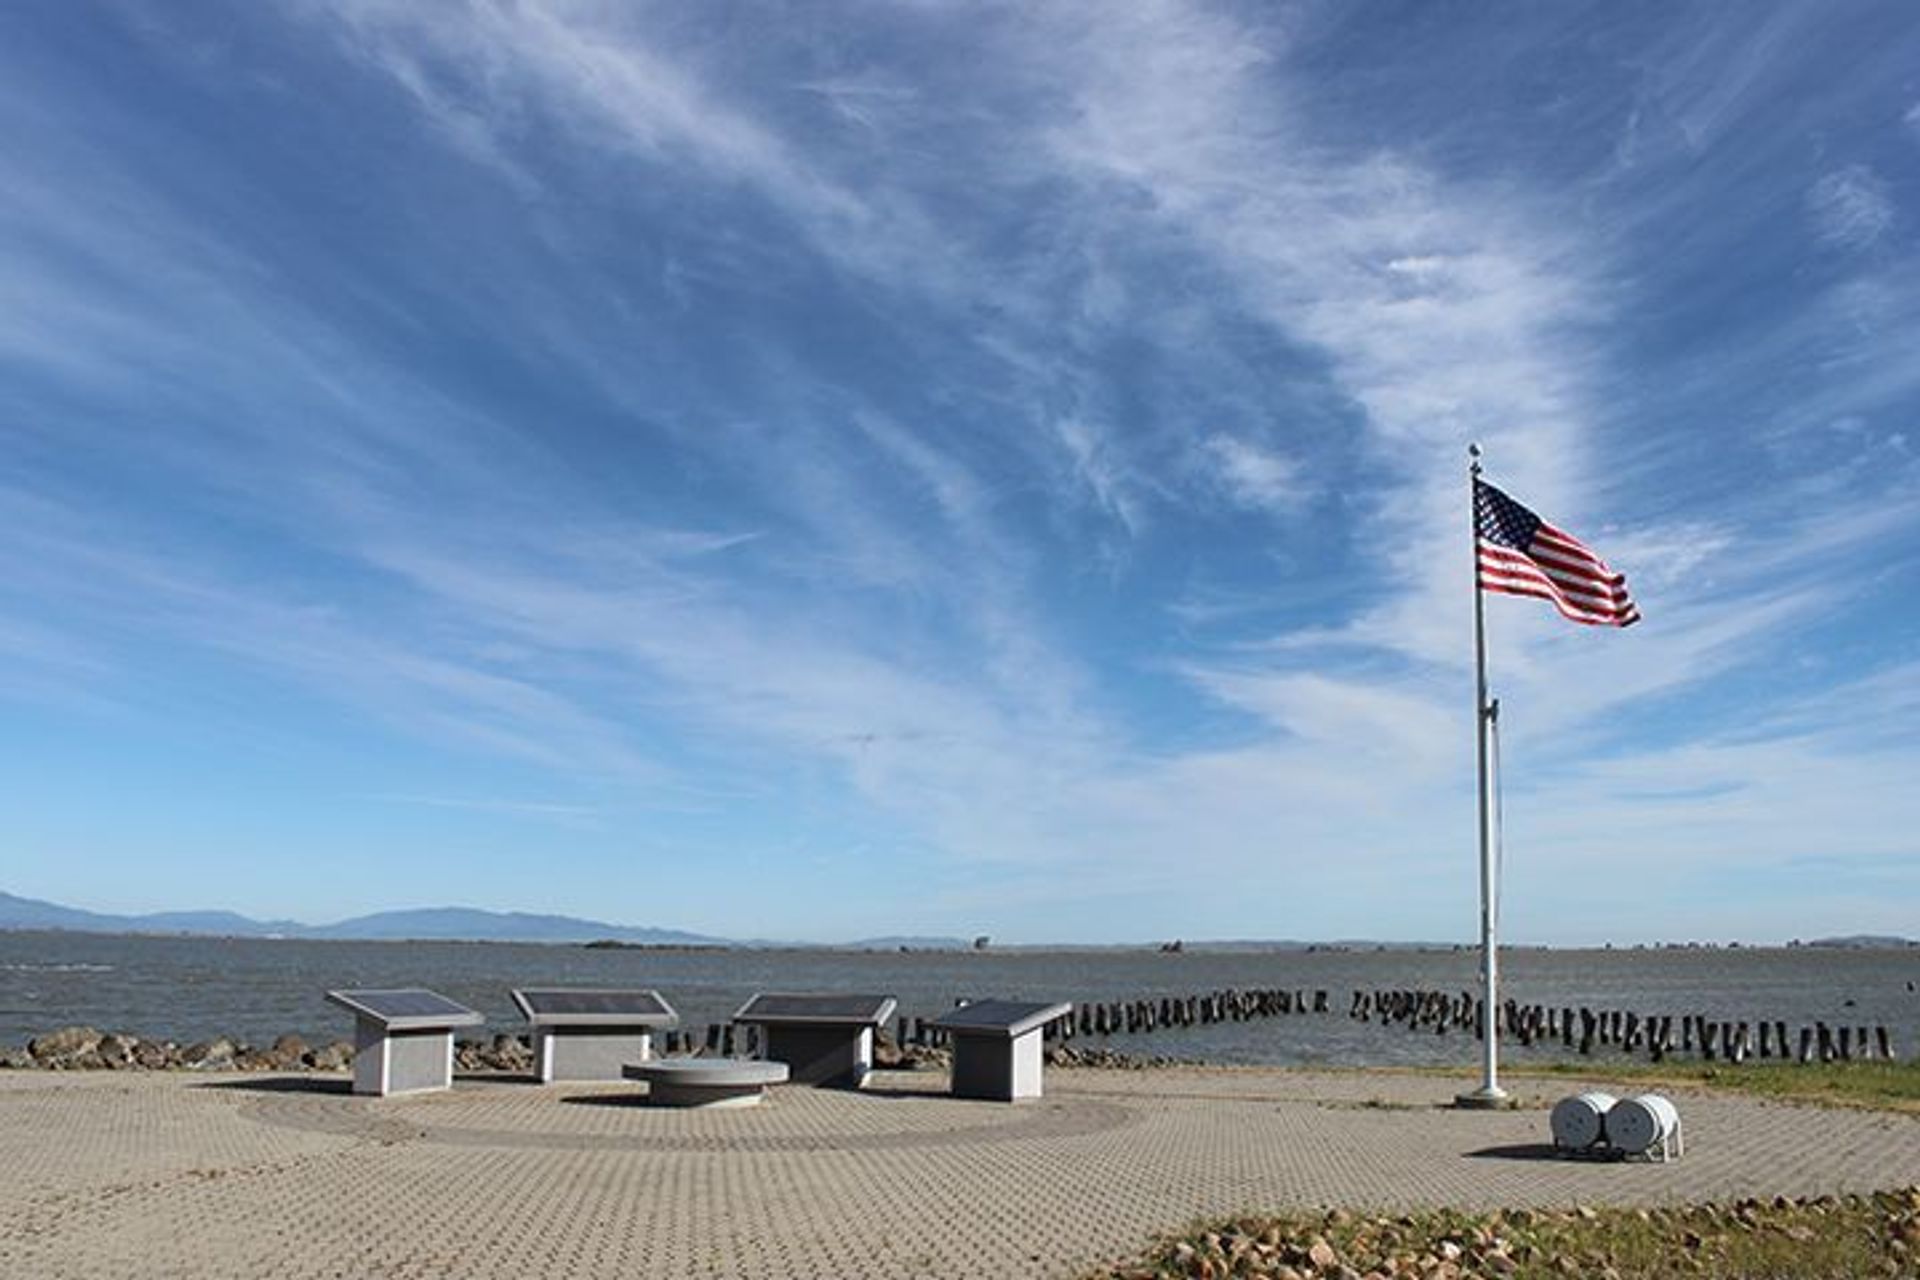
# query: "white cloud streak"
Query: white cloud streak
1850,208
1253,476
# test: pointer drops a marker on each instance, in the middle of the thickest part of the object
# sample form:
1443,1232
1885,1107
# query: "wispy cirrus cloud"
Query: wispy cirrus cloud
1251,475
1447,312
1850,207
518,808
488,79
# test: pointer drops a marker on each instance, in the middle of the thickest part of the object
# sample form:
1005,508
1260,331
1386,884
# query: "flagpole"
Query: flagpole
1489,1094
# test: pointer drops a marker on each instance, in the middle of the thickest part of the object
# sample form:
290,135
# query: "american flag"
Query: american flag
1522,555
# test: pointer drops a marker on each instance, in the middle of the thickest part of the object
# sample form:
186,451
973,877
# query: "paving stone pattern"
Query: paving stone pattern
173,1175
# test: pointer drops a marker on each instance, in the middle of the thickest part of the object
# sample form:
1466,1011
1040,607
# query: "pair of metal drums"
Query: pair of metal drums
1647,1125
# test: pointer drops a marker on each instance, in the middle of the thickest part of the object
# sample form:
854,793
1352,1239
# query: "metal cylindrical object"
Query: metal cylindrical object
1580,1121
1637,1125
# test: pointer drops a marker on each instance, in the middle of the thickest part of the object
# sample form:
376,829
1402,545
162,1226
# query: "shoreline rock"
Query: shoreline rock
80,1048
1092,1056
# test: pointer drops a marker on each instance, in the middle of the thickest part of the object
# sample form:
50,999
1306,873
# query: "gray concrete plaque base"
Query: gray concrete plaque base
389,1062
587,1053
997,1067
838,1056
706,1082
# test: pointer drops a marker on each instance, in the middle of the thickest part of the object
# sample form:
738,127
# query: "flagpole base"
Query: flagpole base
1486,1098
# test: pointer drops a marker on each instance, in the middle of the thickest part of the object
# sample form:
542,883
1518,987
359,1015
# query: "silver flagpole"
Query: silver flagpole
1489,1094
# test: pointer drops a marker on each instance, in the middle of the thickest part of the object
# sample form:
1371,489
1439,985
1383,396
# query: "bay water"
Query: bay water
250,989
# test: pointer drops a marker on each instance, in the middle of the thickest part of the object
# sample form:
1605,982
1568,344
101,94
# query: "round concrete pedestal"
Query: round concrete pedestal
706,1082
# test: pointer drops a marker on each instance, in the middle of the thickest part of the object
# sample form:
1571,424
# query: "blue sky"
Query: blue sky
823,470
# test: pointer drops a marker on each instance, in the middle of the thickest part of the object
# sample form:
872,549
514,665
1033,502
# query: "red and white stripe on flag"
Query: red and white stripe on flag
1520,554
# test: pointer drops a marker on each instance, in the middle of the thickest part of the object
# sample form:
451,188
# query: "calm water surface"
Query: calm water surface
254,989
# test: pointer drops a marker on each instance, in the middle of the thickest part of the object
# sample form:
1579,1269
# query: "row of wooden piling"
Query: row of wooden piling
1658,1035
720,1040
1089,1018
1154,1013
1579,1028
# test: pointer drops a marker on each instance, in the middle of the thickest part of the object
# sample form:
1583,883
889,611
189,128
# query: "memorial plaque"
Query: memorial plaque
997,1050
594,1006
407,1008
403,1039
1001,1017
590,1033
860,1010
824,1039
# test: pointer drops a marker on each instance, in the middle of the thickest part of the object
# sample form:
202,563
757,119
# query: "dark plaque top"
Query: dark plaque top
824,1009
1002,1017
407,1009
594,1006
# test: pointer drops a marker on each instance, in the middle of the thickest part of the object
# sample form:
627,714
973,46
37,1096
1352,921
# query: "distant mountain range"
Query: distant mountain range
469,924
436,923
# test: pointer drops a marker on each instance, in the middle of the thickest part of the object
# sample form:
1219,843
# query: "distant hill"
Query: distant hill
227,924
465,924
31,913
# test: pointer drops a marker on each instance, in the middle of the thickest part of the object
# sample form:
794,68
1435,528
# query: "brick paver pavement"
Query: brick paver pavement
168,1175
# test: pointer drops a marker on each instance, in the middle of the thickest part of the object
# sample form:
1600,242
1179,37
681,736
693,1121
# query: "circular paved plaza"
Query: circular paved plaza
181,1175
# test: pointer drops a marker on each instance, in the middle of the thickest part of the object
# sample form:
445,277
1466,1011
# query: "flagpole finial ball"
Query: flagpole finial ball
1473,450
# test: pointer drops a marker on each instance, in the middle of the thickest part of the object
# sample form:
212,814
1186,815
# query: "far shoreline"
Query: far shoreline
1173,949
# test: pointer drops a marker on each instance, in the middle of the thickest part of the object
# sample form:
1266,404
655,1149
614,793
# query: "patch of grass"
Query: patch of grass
1839,1237
1889,1086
